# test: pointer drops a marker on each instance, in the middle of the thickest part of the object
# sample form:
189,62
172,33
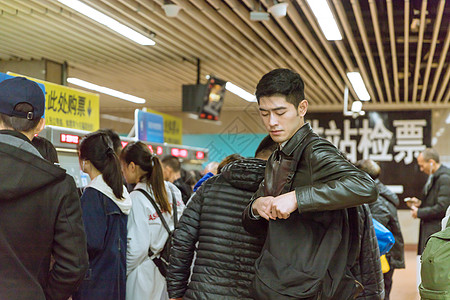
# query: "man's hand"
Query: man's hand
414,210
410,202
416,202
262,207
176,298
284,205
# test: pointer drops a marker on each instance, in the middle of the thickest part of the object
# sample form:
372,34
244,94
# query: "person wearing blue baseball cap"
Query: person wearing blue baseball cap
40,213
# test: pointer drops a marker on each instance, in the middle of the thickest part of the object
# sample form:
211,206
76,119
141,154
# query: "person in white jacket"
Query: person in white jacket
145,230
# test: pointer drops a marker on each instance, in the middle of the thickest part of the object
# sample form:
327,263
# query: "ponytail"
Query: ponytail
112,173
158,186
140,155
97,148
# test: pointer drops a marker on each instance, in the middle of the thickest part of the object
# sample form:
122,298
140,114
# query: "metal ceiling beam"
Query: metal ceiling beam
406,53
362,30
376,27
393,49
437,26
327,45
437,74
351,40
423,14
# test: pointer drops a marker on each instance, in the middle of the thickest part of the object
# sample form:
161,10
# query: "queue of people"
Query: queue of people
294,222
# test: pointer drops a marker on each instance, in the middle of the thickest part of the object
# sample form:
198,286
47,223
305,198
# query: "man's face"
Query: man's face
167,172
425,166
281,118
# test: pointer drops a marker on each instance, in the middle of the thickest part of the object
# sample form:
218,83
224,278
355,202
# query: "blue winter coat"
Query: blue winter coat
106,230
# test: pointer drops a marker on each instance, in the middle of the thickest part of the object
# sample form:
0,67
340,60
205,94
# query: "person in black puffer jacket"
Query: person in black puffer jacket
384,210
225,253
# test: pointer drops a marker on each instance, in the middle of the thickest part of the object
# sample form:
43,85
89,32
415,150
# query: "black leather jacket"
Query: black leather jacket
307,255
226,253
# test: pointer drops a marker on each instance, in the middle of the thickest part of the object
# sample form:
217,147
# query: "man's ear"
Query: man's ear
40,126
303,107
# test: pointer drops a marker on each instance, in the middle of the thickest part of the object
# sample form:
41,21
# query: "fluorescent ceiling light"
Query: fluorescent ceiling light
447,121
358,85
105,90
325,19
240,92
108,22
117,119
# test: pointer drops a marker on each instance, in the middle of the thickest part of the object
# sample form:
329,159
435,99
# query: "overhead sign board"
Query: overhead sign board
158,127
392,139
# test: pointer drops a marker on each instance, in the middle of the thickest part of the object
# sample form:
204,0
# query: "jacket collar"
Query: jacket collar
296,139
100,185
442,170
19,140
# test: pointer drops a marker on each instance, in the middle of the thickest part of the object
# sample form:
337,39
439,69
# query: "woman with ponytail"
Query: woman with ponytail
106,204
145,229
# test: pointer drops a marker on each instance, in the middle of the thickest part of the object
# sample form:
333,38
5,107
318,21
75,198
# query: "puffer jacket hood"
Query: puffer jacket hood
26,166
244,174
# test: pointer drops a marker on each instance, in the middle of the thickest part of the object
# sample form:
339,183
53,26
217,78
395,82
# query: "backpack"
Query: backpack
162,262
435,271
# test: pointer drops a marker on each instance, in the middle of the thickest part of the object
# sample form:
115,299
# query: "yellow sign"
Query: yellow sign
173,128
69,107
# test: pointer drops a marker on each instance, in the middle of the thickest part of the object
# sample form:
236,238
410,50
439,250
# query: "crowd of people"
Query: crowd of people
292,222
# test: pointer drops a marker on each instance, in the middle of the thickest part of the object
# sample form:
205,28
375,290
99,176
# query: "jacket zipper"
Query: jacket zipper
118,269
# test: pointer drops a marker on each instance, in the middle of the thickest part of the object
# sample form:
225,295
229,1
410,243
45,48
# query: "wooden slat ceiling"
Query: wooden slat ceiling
399,47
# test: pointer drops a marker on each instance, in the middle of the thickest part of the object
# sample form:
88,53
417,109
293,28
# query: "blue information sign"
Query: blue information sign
149,126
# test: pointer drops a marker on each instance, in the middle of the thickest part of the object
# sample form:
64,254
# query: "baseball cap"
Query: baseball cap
21,90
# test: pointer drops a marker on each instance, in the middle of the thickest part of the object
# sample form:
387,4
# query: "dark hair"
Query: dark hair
227,160
97,148
17,123
430,153
46,149
117,144
370,167
140,155
188,177
197,175
173,162
282,82
266,148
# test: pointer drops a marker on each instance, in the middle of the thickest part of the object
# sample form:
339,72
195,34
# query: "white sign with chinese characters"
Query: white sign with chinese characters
392,139
373,139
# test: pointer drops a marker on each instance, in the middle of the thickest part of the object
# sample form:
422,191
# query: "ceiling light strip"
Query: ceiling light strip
326,20
240,92
105,90
108,22
358,85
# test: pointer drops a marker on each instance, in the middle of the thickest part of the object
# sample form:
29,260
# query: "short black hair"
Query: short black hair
18,123
230,158
172,161
46,149
282,82
266,147
370,167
